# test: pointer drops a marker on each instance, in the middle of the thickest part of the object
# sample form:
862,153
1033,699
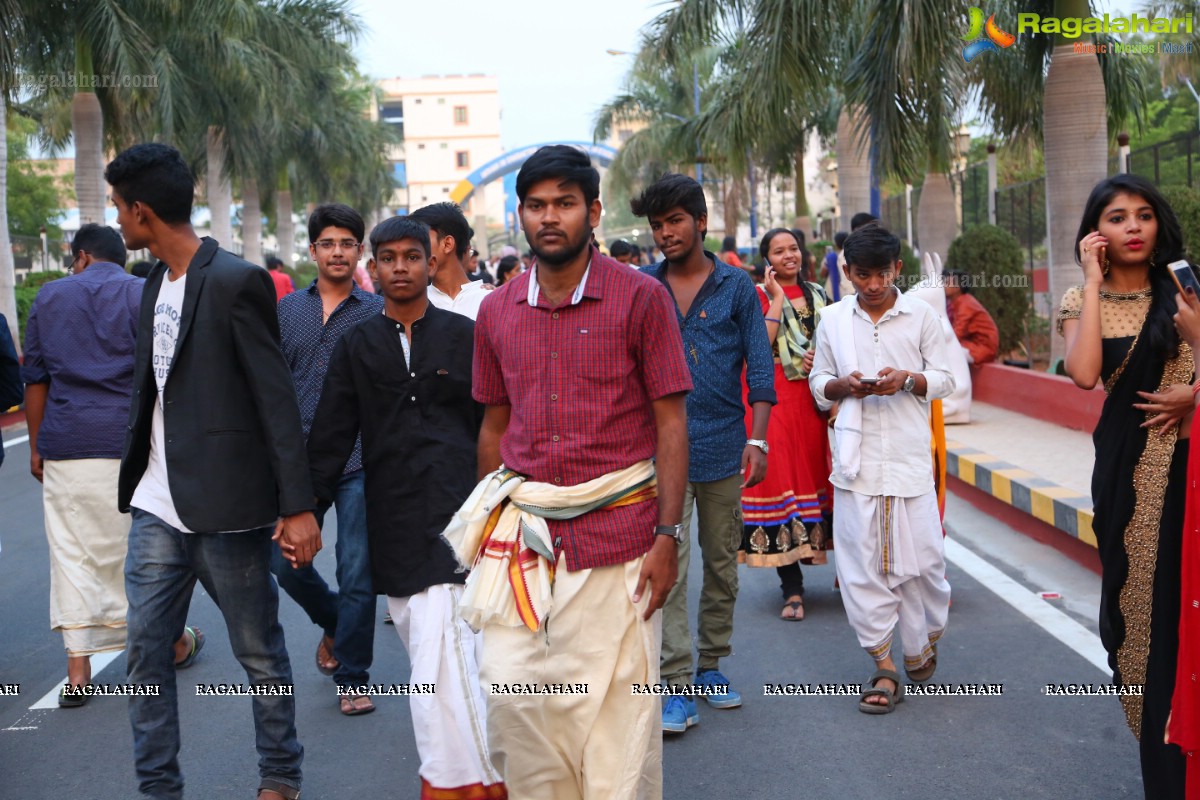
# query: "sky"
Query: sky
549,55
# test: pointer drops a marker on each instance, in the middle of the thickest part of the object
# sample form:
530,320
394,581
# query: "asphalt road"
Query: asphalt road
1021,744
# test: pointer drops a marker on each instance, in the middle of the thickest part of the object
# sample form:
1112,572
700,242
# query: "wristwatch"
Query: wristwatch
759,443
674,531
909,383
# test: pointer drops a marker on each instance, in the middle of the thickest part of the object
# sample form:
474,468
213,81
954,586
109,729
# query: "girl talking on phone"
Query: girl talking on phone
1119,331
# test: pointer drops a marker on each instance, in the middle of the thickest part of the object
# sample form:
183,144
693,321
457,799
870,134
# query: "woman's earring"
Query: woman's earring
1153,256
1107,266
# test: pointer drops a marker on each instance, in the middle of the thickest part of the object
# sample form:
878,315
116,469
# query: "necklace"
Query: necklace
1140,294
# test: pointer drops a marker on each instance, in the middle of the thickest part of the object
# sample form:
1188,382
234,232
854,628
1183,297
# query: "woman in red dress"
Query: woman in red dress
786,515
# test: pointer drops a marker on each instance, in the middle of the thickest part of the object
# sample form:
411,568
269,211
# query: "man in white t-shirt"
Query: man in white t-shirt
213,467
450,237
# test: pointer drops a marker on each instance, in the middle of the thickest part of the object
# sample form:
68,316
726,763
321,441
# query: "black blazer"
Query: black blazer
235,450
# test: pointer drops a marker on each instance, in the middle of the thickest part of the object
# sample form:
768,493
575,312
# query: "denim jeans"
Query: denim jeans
161,569
348,615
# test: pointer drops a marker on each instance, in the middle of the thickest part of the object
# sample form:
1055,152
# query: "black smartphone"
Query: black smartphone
1184,276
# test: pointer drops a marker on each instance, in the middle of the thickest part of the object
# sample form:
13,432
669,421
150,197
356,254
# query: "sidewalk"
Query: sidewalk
1037,467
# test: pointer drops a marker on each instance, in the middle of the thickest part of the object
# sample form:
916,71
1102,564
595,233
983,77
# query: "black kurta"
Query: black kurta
419,430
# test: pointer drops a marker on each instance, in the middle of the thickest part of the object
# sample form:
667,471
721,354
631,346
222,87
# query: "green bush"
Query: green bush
994,263
28,290
1186,203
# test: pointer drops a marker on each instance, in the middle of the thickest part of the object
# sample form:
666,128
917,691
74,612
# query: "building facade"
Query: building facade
448,126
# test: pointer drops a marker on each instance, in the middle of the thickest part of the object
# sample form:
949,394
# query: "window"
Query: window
421,146
417,101
445,190
462,159
441,101
443,145
623,136
460,115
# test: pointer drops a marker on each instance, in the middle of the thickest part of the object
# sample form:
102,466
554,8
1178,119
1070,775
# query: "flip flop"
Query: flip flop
197,645
324,655
72,700
924,673
797,608
891,699
348,703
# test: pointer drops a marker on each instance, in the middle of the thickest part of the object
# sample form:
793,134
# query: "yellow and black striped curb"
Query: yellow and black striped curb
1065,509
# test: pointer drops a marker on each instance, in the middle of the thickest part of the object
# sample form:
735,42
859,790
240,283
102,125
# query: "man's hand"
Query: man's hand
754,465
299,538
661,569
35,466
891,380
859,390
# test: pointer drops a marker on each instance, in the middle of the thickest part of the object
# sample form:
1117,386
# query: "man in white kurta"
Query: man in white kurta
887,533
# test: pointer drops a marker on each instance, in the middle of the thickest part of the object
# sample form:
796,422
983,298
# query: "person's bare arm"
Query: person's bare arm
661,568
495,423
35,412
1083,353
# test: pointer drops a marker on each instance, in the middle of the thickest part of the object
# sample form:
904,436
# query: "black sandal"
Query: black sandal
891,699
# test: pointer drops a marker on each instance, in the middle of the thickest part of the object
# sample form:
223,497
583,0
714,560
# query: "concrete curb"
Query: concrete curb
11,419
1063,508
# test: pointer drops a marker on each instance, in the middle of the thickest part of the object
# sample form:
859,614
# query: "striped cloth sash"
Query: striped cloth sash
501,534
793,344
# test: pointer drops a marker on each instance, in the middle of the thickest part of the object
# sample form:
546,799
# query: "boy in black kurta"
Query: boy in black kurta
404,380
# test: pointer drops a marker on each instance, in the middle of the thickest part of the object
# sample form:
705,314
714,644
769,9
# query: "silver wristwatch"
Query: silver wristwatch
909,383
759,443
674,531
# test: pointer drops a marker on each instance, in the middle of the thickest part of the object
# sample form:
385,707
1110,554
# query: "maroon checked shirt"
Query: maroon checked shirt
580,378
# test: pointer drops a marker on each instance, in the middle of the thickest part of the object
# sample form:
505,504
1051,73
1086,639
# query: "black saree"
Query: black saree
1138,491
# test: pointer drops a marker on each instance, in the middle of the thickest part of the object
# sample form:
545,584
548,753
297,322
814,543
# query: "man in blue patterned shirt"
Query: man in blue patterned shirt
723,333
310,323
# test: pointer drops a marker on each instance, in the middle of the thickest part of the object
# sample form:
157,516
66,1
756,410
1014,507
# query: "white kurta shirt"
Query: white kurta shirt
466,302
895,454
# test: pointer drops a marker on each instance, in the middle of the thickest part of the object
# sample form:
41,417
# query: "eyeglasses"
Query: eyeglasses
329,244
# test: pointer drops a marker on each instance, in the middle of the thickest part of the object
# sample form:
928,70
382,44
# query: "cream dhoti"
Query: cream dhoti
87,538
577,639
450,723
891,566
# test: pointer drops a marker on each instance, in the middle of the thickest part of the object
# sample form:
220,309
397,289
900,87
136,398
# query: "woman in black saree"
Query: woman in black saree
1119,329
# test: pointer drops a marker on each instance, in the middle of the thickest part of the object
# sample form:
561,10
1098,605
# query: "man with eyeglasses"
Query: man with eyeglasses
311,321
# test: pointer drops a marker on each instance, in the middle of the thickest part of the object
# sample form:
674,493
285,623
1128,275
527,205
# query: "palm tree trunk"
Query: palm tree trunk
732,205
1076,154
854,168
936,220
802,219
218,188
252,223
87,124
285,228
8,276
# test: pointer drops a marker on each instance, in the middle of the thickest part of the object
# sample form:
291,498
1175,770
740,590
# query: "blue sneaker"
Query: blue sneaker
679,714
718,693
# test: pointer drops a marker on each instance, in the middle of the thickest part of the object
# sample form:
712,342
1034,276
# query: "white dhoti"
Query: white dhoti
605,744
88,540
891,566
450,724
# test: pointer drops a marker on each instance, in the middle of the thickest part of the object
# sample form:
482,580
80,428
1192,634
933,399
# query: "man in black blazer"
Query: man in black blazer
214,466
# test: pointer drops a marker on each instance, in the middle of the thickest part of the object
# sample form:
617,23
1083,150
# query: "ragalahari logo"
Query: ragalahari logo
996,38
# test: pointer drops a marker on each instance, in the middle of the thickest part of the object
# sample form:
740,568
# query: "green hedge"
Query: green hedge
28,290
1186,203
993,261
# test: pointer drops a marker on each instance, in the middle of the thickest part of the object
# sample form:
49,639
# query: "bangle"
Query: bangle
771,319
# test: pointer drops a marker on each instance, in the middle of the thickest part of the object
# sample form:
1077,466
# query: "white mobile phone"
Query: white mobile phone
870,380
1183,275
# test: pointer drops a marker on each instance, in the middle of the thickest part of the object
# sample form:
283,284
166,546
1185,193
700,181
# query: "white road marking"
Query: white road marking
1034,608
50,699
16,441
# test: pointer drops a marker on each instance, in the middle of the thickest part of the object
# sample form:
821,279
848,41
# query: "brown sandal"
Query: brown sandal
353,705
325,656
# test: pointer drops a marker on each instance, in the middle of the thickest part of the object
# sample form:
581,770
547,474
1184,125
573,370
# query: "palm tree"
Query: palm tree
11,40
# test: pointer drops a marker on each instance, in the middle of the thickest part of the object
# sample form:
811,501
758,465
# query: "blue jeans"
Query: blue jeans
348,615
161,568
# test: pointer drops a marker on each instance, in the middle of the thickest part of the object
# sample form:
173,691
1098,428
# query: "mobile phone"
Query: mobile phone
870,380
1183,275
